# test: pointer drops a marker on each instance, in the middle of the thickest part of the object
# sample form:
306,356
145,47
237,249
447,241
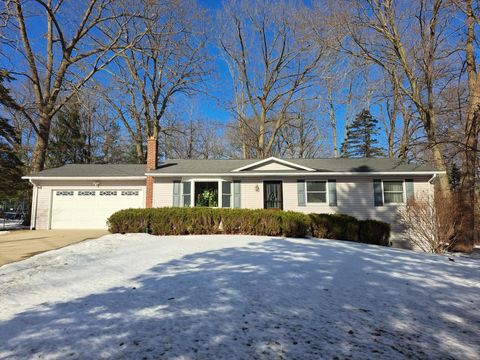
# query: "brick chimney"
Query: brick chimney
152,155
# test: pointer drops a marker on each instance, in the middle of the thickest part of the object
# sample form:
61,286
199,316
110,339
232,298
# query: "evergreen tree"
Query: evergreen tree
11,168
361,137
454,175
68,140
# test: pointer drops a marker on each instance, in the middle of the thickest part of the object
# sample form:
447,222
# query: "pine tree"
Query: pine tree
454,175
11,168
68,139
361,137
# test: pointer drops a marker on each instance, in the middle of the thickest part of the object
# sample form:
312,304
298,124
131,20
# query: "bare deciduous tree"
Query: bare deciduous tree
376,33
78,44
271,57
168,60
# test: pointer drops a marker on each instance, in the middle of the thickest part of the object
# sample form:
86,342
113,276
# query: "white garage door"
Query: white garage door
90,209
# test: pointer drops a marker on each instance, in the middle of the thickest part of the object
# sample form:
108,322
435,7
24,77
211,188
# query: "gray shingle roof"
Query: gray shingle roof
320,165
226,166
94,170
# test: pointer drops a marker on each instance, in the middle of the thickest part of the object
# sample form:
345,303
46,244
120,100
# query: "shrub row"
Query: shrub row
198,220
345,227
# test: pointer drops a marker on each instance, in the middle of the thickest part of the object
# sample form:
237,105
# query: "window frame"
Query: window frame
327,199
404,194
220,181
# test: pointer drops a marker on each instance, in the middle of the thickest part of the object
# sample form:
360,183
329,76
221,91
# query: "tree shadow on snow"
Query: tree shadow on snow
274,299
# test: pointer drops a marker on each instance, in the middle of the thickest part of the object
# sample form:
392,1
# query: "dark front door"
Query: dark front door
272,195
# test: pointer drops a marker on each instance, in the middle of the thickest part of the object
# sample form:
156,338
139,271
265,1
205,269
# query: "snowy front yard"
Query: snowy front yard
238,297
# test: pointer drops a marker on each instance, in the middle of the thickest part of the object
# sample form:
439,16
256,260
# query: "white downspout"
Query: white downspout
432,189
33,216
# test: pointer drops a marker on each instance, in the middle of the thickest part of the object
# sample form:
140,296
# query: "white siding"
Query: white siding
354,197
163,192
250,197
44,188
273,166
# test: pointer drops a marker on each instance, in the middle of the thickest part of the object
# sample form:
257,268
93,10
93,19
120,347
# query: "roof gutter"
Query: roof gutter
33,177
236,174
257,174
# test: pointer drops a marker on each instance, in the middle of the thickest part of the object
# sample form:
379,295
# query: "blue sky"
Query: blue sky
211,106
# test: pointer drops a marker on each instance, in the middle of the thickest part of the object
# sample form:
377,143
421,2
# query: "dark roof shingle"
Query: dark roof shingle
182,166
321,165
93,170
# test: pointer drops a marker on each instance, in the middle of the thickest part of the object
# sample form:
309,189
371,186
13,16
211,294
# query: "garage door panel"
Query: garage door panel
90,209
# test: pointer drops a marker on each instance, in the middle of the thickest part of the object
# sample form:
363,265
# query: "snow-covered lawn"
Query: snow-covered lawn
238,297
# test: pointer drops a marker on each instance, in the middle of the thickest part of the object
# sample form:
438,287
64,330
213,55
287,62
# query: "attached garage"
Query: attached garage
83,196
90,208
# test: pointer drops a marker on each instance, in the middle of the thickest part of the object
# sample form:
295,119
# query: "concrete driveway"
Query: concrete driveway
19,245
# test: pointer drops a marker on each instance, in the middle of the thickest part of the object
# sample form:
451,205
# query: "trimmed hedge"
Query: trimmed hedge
374,232
345,227
198,220
334,226
203,220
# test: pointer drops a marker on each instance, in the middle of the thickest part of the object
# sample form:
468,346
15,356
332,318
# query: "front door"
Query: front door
272,195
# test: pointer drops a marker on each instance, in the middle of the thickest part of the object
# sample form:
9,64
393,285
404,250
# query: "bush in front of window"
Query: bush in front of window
345,227
374,232
197,220
264,222
334,226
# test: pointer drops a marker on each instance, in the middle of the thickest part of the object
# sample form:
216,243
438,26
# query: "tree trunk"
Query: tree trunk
139,150
440,165
332,120
405,141
393,117
467,232
41,145
429,122
261,154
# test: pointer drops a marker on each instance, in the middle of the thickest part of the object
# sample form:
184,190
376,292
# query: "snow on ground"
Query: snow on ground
238,297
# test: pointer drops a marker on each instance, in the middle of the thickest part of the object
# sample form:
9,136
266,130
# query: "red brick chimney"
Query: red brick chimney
152,155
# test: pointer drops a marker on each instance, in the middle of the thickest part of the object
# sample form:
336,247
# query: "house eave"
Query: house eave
297,174
99,178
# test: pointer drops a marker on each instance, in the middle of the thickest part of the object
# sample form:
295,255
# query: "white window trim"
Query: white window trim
219,194
403,188
327,196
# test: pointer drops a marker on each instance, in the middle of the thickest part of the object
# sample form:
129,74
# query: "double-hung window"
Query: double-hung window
316,191
393,192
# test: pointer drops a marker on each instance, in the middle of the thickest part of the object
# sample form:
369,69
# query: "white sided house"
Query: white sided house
84,196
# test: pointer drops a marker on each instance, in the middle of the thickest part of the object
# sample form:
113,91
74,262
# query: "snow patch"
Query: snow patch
228,297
